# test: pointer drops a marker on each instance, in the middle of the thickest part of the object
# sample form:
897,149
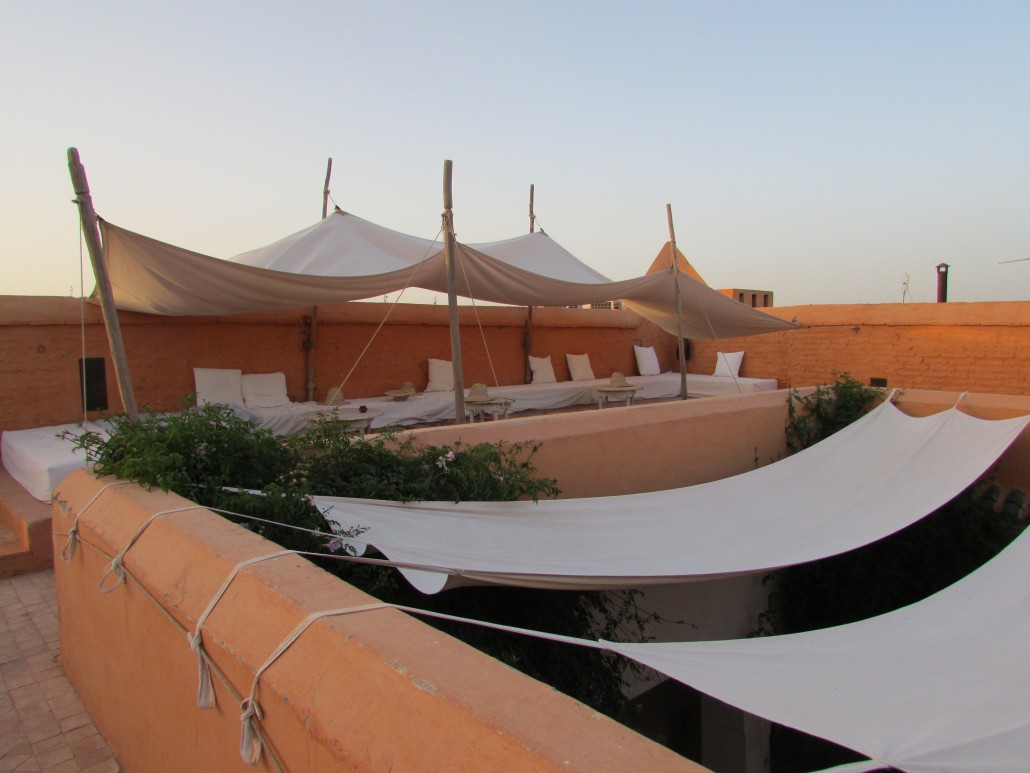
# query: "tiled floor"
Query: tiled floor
43,726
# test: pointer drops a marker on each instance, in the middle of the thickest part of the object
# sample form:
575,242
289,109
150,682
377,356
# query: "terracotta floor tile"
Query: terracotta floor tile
78,733
14,761
51,759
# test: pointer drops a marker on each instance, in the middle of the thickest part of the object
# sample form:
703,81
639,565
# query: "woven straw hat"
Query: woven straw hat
478,394
618,380
403,393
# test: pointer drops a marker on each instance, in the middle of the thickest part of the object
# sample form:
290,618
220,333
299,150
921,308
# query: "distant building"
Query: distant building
754,298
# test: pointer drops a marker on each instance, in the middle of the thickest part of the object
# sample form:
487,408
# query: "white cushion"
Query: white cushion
441,376
579,367
728,364
220,386
543,373
265,390
647,360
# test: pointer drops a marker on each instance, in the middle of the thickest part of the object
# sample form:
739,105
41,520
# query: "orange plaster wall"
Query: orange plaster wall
643,448
41,343
977,347
368,691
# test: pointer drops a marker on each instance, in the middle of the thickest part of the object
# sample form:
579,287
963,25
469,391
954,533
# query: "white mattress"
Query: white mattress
39,459
439,406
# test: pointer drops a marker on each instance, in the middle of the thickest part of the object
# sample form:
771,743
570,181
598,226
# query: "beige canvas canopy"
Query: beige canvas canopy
346,258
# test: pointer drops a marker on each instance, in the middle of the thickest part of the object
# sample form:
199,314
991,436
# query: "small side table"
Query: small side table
344,419
495,407
609,394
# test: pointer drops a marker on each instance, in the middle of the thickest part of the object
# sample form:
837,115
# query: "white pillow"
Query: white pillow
265,390
647,360
441,376
543,373
579,367
220,386
728,363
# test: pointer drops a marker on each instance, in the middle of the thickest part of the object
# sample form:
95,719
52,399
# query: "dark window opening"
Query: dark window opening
93,383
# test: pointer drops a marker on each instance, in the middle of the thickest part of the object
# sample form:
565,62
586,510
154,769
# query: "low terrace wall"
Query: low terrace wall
975,347
41,341
983,347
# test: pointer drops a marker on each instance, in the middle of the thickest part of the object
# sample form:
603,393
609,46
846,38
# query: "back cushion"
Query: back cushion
265,390
221,386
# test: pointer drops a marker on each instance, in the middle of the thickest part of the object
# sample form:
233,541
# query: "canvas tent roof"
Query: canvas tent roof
345,258
941,685
869,480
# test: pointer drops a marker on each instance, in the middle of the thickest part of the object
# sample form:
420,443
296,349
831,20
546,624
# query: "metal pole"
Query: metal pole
91,233
452,296
679,307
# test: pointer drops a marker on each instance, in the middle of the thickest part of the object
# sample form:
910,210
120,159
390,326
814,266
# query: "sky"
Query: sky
821,150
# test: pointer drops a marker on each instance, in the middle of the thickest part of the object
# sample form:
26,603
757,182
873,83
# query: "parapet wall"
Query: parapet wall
41,341
981,347
371,690
975,347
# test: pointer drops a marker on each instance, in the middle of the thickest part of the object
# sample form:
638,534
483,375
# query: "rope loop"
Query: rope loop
116,568
250,740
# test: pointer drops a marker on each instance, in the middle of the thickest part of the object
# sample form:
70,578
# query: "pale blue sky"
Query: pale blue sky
821,150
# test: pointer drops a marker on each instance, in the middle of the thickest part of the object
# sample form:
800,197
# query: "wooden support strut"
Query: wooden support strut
91,234
679,307
452,296
312,327
527,339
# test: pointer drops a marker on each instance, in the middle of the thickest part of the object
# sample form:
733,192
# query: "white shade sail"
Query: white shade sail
869,480
941,685
345,258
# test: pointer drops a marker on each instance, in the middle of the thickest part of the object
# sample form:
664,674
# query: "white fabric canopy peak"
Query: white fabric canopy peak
345,258
867,481
941,685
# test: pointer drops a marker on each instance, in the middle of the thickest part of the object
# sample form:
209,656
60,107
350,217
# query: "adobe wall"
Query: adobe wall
375,690
976,347
981,347
41,343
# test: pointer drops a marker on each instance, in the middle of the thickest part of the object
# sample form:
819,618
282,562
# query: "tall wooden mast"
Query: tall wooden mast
91,233
527,339
679,307
452,296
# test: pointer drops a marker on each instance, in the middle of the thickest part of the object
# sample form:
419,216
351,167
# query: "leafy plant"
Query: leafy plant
214,457
816,416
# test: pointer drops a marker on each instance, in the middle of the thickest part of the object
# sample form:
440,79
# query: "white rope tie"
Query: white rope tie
961,397
205,689
389,311
479,324
116,566
250,740
68,551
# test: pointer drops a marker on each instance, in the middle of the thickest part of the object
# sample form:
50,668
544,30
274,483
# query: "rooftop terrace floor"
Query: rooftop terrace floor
43,725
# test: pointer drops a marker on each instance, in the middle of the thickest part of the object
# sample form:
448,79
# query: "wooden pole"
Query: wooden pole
325,189
452,296
91,233
309,343
679,308
527,339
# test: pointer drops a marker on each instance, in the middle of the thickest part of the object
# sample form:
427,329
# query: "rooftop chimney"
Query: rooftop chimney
942,282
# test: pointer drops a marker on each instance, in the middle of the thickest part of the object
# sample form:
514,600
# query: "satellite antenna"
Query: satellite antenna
905,292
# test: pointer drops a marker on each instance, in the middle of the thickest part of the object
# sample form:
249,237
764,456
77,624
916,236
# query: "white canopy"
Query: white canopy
869,480
941,685
345,258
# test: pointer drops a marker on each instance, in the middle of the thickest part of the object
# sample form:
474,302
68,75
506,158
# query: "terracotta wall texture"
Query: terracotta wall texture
976,347
983,347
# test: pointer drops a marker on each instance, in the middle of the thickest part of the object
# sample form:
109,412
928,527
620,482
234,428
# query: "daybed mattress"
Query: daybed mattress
39,459
439,406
